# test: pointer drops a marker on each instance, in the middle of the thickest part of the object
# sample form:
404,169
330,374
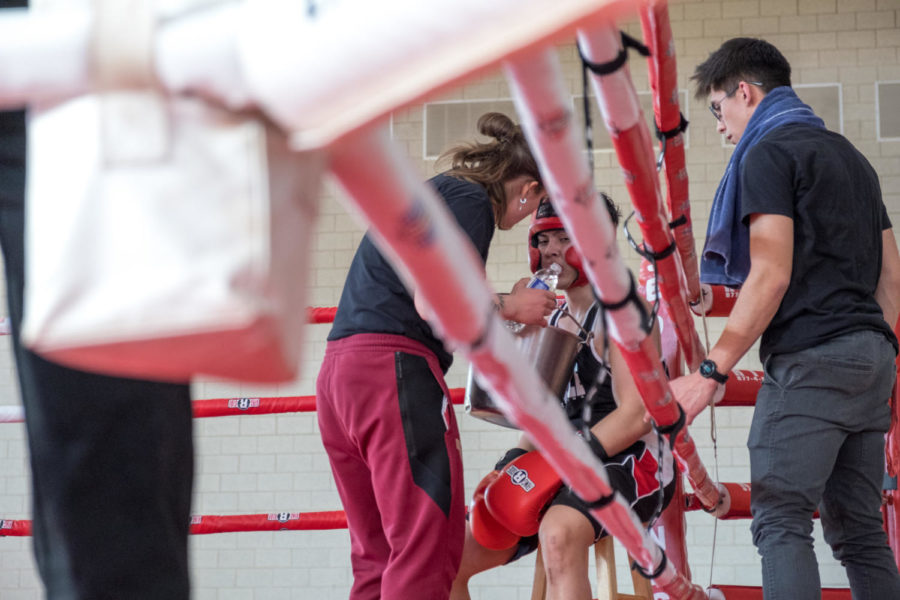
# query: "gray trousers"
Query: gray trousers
817,442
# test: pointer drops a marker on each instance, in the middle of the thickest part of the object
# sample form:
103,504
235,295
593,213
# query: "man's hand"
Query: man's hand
695,392
527,305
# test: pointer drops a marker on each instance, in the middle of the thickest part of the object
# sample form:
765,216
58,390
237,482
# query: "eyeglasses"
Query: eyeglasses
716,107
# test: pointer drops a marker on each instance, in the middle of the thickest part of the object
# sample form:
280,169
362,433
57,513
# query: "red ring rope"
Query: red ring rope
205,524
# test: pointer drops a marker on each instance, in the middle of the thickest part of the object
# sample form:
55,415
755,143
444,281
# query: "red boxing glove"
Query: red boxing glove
485,528
517,497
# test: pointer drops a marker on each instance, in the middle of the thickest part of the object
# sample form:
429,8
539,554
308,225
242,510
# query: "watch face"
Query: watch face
709,369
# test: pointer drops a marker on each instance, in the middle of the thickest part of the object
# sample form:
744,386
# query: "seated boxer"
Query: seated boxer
503,516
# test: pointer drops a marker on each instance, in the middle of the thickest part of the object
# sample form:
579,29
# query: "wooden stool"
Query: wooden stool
607,588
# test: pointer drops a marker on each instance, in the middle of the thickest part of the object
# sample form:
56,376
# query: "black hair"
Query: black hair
742,59
613,209
546,210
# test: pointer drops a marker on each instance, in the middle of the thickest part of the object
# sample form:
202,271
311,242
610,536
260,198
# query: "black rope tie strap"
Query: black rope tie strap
601,502
631,298
664,136
677,130
600,452
664,253
642,249
601,69
671,430
682,220
615,64
657,572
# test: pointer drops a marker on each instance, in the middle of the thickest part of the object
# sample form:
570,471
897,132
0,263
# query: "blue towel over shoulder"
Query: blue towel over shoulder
726,254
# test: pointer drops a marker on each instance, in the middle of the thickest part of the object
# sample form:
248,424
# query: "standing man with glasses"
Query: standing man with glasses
799,224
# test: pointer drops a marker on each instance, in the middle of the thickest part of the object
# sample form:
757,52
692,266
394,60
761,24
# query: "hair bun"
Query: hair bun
498,126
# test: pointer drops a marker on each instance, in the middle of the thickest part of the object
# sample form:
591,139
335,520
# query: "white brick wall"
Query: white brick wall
261,464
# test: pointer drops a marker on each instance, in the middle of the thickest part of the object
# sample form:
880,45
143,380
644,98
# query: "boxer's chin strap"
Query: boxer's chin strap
632,297
656,572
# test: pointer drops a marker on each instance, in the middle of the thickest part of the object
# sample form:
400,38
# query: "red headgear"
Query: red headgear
545,219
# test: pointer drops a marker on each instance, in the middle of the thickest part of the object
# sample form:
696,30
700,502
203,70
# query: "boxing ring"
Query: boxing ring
740,391
393,200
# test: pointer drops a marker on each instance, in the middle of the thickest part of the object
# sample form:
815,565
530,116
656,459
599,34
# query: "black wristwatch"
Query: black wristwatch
710,370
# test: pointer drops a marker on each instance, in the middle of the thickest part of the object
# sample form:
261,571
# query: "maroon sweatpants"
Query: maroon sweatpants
391,437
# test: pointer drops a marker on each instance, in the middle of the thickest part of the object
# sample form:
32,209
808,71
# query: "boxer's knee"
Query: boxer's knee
565,534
